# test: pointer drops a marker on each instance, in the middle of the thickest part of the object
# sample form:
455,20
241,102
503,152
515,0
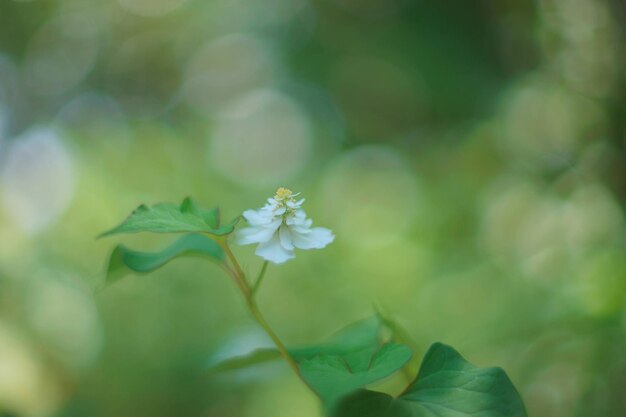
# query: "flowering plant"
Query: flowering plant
280,226
339,370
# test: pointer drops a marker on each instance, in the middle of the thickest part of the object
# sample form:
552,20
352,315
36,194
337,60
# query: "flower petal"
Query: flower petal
298,219
304,227
315,238
295,204
250,235
257,234
273,251
285,237
257,217
279,211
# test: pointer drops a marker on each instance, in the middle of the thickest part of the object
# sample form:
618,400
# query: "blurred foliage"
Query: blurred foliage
469,156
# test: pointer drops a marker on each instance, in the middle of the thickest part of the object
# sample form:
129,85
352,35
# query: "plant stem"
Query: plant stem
258,316
238,275
400,335
248,293
258,281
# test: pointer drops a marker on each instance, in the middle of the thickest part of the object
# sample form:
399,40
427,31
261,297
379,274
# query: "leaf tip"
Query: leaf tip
218,216
141,208
106,233
187,205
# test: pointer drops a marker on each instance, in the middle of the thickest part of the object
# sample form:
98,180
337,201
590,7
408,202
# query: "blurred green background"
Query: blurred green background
469,156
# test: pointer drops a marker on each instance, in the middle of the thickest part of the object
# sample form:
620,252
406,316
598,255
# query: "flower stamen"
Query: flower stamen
283,194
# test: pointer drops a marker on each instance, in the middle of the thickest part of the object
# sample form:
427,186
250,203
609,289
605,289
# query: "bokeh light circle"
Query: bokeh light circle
37,180
546,234
144,74
65,317
226,69
95,116
548,124
25,386
264,138
371,194
62,52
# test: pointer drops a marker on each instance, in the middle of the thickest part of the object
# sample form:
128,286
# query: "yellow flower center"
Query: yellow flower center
283,194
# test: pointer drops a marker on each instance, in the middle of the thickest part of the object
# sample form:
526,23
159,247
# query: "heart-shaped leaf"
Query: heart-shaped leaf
124,260
450,386
446,386
334,376
172,218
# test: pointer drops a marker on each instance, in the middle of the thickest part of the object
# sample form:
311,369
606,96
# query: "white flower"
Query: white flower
281,226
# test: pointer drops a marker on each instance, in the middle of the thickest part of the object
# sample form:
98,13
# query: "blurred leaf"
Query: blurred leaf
171,218
333,376
124,260
447,386
364,403
399,335
256,357
363,334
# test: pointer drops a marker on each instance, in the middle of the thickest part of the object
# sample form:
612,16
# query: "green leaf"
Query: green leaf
399,335
172,218
334,376
358,336
211,216
364,403
124,260
256,357
446,386
363,334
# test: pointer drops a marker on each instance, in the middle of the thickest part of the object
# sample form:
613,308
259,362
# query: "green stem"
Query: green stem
258,281
238,275
248,293
258,316
400,335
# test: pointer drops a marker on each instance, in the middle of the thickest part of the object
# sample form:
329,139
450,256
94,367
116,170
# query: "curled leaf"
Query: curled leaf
124,260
